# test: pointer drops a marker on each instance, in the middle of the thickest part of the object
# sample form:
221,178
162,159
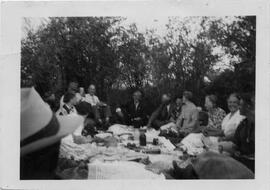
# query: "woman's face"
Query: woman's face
208,104
233,104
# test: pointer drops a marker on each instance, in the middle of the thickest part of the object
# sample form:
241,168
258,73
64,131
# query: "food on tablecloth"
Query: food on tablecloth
151,151
82,139
120,170
103,135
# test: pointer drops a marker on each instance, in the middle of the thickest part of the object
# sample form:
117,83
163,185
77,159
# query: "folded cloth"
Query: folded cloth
166,144
103,135
160,167
118,129
168,126
193,143
69,149
120,170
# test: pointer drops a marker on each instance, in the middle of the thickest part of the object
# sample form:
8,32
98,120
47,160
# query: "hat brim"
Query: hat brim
68,124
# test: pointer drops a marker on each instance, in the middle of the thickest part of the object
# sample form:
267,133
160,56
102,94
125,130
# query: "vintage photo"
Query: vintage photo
114,97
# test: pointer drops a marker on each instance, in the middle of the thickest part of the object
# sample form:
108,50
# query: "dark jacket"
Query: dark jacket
40,164
130,112
162,114
244,137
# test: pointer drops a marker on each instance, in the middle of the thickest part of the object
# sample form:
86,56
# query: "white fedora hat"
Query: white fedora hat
40,127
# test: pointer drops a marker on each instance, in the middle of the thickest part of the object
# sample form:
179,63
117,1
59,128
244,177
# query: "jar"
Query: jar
142,138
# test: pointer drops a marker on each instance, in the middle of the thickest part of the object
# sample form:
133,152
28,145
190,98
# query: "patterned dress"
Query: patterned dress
216,117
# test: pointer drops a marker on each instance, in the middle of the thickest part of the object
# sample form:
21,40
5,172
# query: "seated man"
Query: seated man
133,113
100,108
162,115
188,121
177,110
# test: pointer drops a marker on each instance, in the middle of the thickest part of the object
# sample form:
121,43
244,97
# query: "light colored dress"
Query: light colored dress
195,142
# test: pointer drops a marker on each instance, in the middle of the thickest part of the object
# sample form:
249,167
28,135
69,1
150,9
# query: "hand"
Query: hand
107,119
237,153
99,120
137,119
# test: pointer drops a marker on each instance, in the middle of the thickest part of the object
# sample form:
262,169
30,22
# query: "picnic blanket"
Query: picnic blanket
120,170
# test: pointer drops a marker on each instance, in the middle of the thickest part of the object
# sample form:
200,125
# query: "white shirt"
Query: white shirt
230,123
93,100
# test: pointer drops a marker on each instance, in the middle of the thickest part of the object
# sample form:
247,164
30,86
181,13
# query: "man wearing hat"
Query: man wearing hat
41,132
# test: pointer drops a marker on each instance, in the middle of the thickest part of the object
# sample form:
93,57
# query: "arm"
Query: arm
194,119
154,116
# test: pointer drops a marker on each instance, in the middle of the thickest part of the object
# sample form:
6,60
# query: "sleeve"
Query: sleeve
236,138
97,99
217,120
154,115
179,120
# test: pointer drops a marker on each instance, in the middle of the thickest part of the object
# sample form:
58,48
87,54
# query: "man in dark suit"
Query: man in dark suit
163,114
133,113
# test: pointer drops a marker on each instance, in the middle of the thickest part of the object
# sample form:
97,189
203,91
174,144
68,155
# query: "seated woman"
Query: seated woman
232,120
215,116
243,147
217,136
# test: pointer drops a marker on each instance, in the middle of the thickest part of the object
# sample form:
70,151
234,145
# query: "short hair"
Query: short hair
83,108
247,98
68,96
188,95
236,95
137,90
212,98
91,85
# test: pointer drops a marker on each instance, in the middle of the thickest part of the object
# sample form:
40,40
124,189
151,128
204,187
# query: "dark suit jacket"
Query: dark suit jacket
131,112
162,114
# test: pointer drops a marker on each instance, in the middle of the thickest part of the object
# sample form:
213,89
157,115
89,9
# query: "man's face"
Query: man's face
184,99
137,96
73,86
178,102
165,99
92,90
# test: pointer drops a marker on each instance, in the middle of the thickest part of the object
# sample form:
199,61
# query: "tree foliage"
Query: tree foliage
101,50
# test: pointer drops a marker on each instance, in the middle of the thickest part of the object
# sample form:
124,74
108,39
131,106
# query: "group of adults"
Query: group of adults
233,133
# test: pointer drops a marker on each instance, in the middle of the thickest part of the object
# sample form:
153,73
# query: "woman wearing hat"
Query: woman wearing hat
41,132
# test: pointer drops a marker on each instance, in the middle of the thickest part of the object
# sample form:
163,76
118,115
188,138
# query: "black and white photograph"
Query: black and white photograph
159,97
152,98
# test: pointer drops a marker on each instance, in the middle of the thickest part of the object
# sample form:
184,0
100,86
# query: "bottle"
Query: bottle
142,138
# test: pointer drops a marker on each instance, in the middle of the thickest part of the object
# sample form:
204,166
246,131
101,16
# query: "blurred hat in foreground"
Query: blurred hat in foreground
39,125
212,165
